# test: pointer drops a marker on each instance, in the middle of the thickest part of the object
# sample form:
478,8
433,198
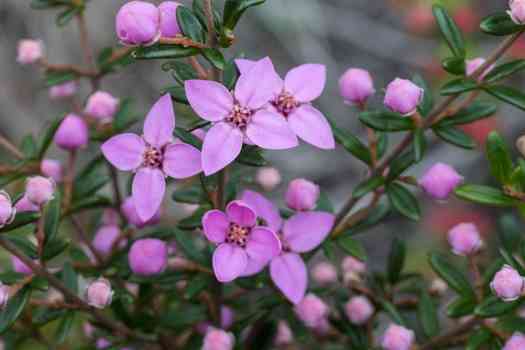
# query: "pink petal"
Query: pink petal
256,87
181,161
124,151
160,122
221,146
210,100
241,214
263,244
306,230
215,225
311,126
254,267
244,65
271,131
147,191
289,274
264,209
306,82
229,262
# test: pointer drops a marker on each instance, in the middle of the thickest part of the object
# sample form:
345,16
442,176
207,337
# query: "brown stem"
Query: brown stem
208,12
79,71
116,189
443,339
181,40
201,72
4,142
69,179
84,40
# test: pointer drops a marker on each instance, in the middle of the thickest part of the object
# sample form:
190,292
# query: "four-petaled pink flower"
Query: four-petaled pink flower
301,233
292,98
241,243
153,156
238,116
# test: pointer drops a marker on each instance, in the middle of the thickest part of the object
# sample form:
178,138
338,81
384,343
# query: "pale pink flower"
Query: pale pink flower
312,311
148,256
40,190
102,106
324,273
517,11
29,51
359,310
64,90
217,339
403,96
356,86
138,23
99,293
284,334
440,180
7,211
508,284
52,168
516,342
302,195
268,178
398,338
169,27
464,239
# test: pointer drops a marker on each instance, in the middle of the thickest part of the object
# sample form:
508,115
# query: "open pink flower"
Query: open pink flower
238,116
153,156
292,98
241,244
301,233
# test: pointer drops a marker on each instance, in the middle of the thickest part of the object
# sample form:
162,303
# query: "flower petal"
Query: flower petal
288,272
264,209
263,244
148,191
254,267
160,122
256,87
306,230
229,262
215,226
222,145
306,82
271,131
124,151
181,161
244,65
241,214
210,100
311,126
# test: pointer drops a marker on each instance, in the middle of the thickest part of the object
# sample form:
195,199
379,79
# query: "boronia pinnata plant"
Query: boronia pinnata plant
234,272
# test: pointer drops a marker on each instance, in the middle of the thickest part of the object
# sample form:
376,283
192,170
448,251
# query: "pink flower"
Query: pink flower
152,156
440,180
324,273
4,295
507,284
29,51
110,217
301,233
217,339
138,23
359,310
474,64
72,133
129,210
517,11
284,334
103,343
268,178
302,195
99,293
312,311
20,267
403,96
102,106
169,27
397,338
352,265
148,256
40,190
516,342
356,86
292,98
64,90
105,239
227,317
464,239
24,205
239,116
7,211
241,244
51,168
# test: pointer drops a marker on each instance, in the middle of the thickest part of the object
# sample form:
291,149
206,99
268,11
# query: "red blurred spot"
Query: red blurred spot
467,19
479,130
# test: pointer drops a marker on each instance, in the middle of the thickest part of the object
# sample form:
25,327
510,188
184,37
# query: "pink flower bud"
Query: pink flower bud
138,23
148,257
507,284
227,317
105,239
169,27
268,178
353,265
312,311
474,64
7,211
20,267
130,212
99,293
403,96
217,339
359,310
88,329
4,295
24,205
29,51
516,342
302,195
284,334
52,168
464,239
324,273
72,133
517,11
64,90
440,180
102,343
40,190
110,217
102,106
356,86
397,338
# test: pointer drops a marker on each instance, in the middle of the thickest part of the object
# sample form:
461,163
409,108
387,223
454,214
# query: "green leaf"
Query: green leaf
403,201
65,17
215,57
53,78
352,247
191,195
198,10
420,144
373,218
386,121
462,306
449,30
396,260
485,195
504,70
494,307
448,272
14,308
52,218
160,51
477,339
454,65
458,86
180,71
24,245
64,327
188,137
400,164
230,75
234,9
351,143
499,24
44,4
391,310
21,219
509,232
178,93
427,314
196,285
455,137
54,248
185,242
426,104
368,186
125,116
91,178
69,277
476,111
47,137
28,146
252,156
508,95
499,157
190,24
93,202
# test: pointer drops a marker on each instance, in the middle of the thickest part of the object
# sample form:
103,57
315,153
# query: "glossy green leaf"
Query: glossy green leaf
177,92
215,57
23,244
455,137
351,143
449,273
188,137
161,51
508,95
386,121
52,218
47,137
14,309
462,306
396,260
427,314
426,104
21,219
190,24
420,144
476,111
509,232
494,307
125,116
504,70
485,195
403,201
400,164
252,156
368,186
352,247
449,30
499,157
64,327
69,277
234,9
66,16
458,86
375,216
478,338
499,24
454,65
392,311
187,245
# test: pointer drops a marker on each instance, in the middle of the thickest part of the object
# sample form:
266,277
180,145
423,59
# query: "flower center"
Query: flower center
285,103
238,234
239,116
152,157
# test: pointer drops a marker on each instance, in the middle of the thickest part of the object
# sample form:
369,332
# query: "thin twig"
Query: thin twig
4,142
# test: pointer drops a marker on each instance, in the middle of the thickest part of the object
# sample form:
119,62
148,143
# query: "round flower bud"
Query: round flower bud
20,267
138,23
403,96
217,339
72,133
268,178
438,287
4,295
517,11
29,51
312,311
64,90
7,211
99,293
40,190
356,86
169,27
24,205
148,257
130,212
516,342
359,310
302,195
52,168
464,239
102,106
284,334
397,338
507,284
88,329
520,145
440,180
324,273
105,239
474,64
102,343
351,264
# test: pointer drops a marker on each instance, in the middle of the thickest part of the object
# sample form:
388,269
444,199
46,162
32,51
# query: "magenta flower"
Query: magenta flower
153,156
301,233
238,116
241,244
292,98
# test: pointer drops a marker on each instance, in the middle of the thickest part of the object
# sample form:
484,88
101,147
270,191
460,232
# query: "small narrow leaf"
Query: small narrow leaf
449,30
403,201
